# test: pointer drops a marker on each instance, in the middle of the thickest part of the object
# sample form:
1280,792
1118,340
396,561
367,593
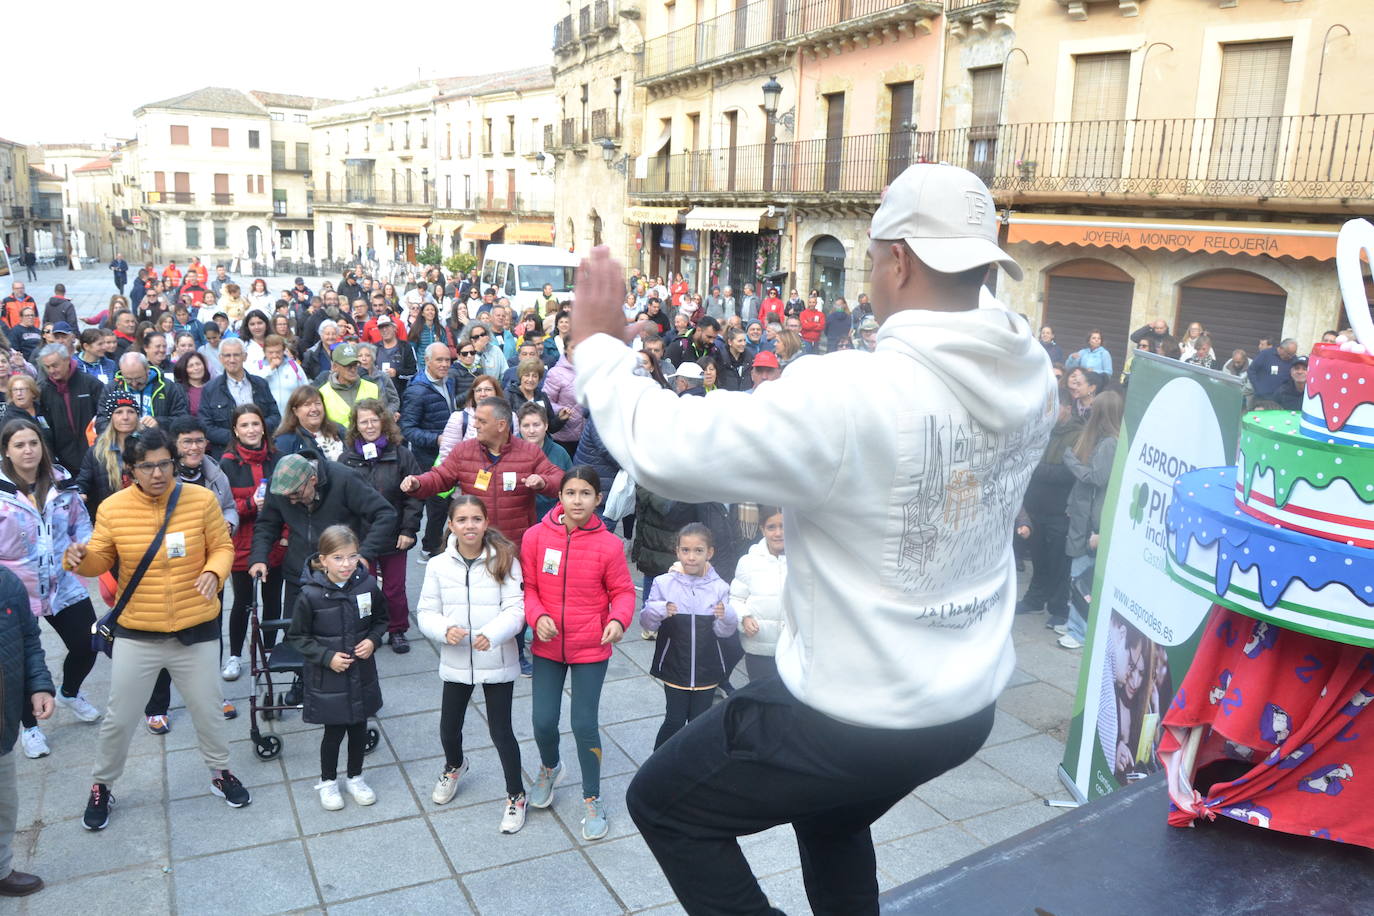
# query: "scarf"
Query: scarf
381,444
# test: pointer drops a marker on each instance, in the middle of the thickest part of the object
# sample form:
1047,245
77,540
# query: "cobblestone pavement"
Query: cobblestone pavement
173,848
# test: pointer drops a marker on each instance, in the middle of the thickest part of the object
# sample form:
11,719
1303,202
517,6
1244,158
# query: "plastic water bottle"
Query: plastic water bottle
262,490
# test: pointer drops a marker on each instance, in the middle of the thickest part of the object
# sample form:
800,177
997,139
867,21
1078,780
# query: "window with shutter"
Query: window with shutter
219,136
181,135
1249,124
1098,135
986,91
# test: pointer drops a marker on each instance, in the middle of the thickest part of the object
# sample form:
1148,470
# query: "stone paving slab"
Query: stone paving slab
172,848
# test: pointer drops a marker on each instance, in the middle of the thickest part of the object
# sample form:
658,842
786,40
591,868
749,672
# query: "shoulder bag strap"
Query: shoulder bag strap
147,560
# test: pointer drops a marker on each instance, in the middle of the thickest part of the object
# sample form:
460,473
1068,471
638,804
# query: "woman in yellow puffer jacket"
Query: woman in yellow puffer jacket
172,619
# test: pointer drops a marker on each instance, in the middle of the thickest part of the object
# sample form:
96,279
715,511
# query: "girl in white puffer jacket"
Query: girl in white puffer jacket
472,604
756,595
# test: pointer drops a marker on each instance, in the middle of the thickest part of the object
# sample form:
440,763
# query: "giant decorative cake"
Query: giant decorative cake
1285,535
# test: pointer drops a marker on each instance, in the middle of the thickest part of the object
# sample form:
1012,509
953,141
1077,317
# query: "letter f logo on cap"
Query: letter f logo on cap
977,207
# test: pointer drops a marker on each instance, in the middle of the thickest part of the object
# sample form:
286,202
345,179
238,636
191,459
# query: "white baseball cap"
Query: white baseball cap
946,215
689,370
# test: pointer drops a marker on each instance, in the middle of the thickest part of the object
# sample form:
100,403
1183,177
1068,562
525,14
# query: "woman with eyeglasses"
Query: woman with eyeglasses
171,618
40,514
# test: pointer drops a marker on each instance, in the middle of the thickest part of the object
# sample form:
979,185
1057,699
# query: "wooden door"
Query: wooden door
731,148
834,138
903,96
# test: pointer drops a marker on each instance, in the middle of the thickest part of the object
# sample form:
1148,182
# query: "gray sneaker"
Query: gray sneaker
541,796
594,824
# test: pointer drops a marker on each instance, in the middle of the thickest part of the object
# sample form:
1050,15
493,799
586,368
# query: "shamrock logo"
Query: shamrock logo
1139,498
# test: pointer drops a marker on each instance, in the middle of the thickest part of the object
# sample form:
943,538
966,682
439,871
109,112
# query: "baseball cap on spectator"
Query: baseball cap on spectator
344,354
384,320
868,324
766,359
946,216
292,473
62,327
300,281
690,370
1300,361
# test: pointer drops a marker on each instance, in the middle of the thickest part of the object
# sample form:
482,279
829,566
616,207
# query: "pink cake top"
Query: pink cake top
1341,381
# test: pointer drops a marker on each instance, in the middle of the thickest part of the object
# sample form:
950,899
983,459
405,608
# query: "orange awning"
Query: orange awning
1294,240
481,232
537,233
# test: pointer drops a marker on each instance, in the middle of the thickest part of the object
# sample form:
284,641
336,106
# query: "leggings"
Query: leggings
73,625
683,707
243,598
586,697
454,711
329,749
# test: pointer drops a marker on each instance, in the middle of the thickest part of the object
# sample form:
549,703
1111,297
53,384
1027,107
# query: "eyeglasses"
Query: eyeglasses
466,353
155,467
478,336
193,442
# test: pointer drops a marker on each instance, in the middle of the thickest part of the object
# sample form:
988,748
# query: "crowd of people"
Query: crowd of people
196,447
299,445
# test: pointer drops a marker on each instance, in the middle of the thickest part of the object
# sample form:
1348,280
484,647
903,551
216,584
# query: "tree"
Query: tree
459,264
431,255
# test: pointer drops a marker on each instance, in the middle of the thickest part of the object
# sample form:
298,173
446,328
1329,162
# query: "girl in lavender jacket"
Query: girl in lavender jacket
690,609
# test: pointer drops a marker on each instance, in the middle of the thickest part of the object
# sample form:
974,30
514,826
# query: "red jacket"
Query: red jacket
244,476
812,324
771,308
581,580
510,504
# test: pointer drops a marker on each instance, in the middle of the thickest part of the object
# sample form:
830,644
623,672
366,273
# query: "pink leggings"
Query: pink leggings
391,568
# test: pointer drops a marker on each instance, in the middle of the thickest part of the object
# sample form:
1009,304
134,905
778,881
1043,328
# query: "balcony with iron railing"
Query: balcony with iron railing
168,197
584,22
601,126
569,132
1309,160
767,26
548,137
416,198
222,199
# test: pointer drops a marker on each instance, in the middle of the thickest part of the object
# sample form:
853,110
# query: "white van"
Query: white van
519,272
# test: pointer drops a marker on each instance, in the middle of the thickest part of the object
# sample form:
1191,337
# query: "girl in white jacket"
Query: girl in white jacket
472,604
756,596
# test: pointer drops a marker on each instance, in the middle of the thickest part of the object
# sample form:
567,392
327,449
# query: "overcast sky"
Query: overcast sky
90,65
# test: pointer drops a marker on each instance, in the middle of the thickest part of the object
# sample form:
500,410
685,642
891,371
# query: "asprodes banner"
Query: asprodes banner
1143,627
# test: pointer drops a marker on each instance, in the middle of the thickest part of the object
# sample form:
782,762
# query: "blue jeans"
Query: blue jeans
1078,627
547,704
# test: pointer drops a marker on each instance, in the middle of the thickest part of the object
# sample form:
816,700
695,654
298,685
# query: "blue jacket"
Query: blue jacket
32,542
217,408
592,451
23,668
559,456
1268,371
424,413
106,368
1099,360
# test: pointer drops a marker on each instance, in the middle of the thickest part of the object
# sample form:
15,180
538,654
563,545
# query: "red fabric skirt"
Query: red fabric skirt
1286,709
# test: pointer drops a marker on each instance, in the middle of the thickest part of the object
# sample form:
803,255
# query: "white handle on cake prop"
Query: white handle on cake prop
1356,238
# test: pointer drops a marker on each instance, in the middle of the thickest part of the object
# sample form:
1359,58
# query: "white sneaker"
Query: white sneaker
362,793
447,786
35,745
79,705
1061,628
330,797
1068,642
514,817
232,669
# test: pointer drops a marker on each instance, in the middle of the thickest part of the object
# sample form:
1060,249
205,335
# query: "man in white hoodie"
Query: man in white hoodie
901,583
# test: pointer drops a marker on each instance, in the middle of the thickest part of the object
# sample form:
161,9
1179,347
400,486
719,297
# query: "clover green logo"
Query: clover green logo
1139,498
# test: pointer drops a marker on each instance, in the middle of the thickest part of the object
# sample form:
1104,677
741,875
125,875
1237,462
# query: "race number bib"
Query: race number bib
508,481
483,480
553,560
364,604
176,545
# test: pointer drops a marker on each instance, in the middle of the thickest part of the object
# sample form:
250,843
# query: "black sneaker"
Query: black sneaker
98,807
399,644
228,787
293,695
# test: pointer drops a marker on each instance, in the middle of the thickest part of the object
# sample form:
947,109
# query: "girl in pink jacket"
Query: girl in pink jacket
579,599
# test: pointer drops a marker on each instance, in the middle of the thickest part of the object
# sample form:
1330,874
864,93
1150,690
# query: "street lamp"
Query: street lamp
772,93
608,149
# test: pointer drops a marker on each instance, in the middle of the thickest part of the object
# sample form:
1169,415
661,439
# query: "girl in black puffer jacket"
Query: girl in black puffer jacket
337,625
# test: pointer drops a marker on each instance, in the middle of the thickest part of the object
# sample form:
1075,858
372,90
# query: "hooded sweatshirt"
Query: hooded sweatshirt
901,583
